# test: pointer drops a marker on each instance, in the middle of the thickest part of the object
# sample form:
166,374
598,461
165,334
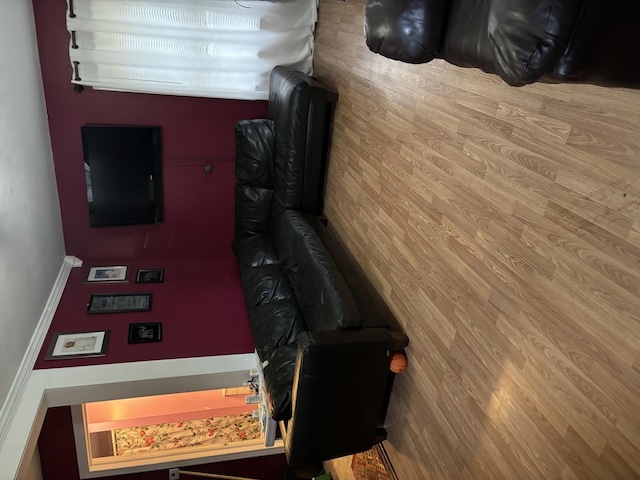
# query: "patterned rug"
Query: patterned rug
192,433
373,464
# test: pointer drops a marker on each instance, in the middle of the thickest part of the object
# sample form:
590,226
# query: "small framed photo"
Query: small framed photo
107,274
78,344
155,275
145,332
119,302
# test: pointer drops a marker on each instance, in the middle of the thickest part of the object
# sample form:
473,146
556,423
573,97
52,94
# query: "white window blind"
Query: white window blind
215,48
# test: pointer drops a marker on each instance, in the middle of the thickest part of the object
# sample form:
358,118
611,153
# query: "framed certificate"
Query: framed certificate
107,274
78,344
119,302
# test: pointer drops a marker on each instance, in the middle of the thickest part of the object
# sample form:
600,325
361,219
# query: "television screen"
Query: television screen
123,171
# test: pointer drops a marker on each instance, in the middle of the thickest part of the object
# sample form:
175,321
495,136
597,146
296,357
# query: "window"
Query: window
218,48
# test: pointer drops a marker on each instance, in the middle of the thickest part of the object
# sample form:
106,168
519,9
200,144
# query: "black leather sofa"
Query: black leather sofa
326,366
523,41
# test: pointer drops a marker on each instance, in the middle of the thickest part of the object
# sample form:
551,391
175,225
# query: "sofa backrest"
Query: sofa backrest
320,290
255,160
604,45
298,107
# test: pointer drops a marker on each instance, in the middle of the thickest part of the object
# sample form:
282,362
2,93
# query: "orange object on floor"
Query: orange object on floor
398,362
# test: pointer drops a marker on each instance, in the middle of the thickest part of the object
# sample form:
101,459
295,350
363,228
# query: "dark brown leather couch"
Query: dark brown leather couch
522,41
325,365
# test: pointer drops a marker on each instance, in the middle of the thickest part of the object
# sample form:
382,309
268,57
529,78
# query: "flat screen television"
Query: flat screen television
123,171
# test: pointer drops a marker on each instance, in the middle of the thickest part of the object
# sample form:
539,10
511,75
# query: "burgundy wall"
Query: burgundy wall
200,304
196,131
58,456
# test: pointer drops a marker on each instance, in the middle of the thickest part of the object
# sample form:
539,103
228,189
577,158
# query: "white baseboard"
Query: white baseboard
19,384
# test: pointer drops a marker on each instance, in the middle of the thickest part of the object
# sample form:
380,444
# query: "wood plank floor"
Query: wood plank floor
502,227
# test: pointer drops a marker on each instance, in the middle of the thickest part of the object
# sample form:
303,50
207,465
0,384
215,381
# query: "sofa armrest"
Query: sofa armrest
302,110
339,393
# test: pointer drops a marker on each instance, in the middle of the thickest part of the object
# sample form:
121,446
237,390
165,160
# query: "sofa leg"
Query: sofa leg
304,473
381,435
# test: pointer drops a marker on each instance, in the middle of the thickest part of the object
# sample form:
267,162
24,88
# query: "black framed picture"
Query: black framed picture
155,275
119,302
145,332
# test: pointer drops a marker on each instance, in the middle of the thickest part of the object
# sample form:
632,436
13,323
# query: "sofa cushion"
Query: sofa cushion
264,284
405,30
275,324
254,251
278,369
322,294
287,232
465,40
520,40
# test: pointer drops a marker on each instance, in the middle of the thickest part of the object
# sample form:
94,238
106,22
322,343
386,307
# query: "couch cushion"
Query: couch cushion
520,40
275,324
287,232
405,30
254,251
278,370
322,294
264,284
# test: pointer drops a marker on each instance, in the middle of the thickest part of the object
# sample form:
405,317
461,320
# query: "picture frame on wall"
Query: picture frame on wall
153,275
119,302
145,332
67,345
115,273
